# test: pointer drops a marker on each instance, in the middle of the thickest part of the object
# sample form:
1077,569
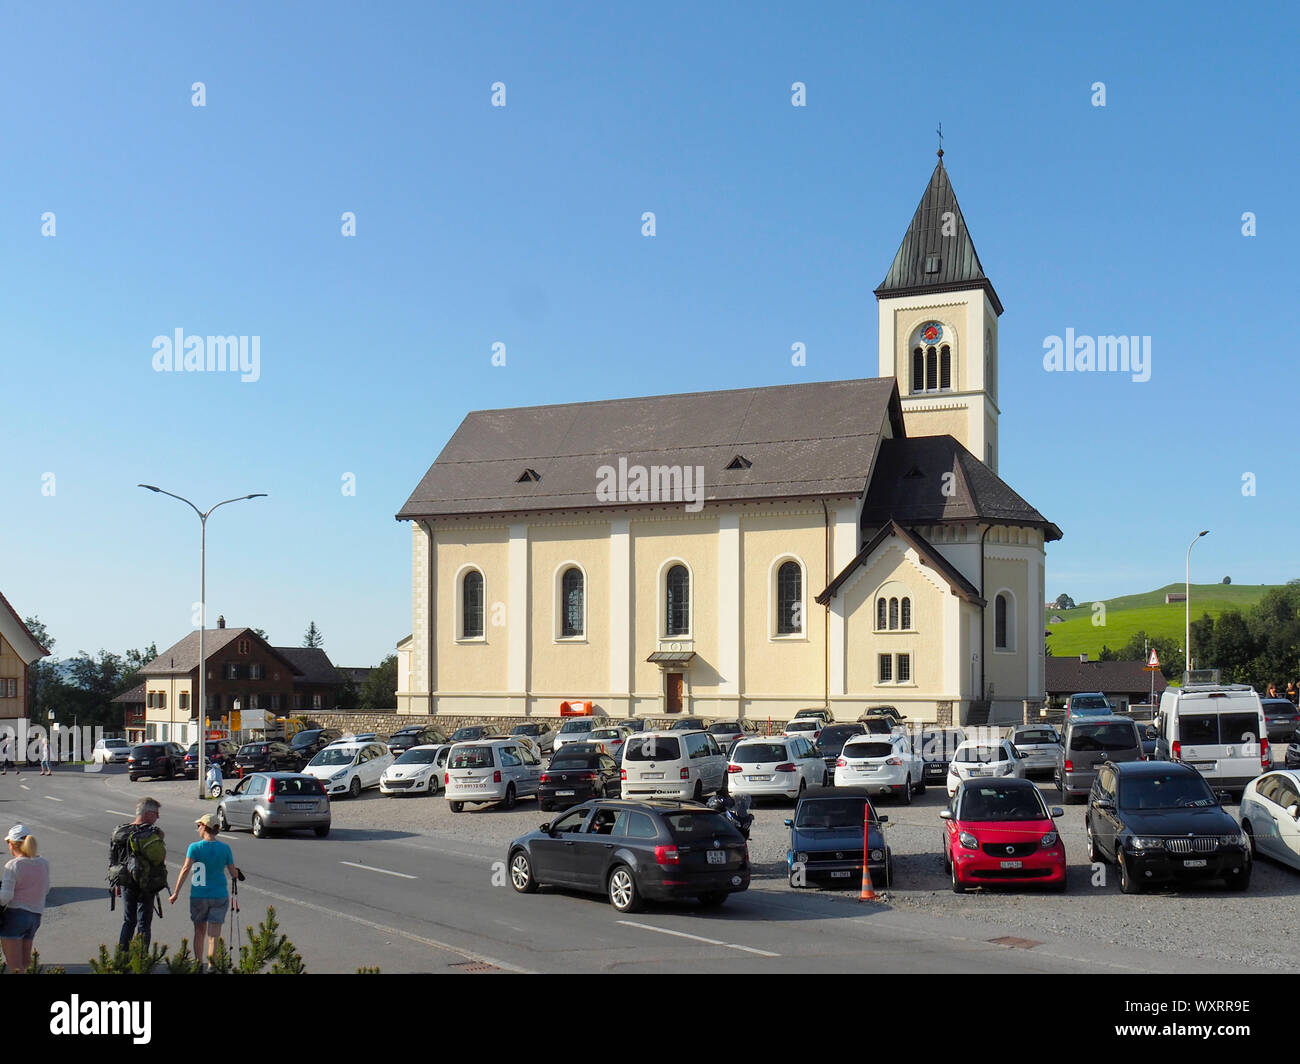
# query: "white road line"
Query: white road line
24,786
51,798
223,835
699,938
116,812
372,868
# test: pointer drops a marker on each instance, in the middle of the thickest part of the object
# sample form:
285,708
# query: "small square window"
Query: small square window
932,264
904,668
886,669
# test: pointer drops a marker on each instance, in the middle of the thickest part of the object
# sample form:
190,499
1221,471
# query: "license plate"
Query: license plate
759,779
302,807
841,875
979,771
1194,864
472,786
1013,864
716,857
567,794
652,775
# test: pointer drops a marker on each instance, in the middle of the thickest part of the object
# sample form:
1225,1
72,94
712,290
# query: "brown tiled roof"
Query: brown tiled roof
312,662
181,658
135,694
798,440
1067,676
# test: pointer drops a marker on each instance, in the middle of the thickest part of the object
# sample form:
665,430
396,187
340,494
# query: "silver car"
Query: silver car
491,770
275,801
1041,742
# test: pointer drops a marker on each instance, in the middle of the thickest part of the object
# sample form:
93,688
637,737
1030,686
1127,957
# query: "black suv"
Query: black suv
161,760
1159,821
830,743
218,752
416,735
307,744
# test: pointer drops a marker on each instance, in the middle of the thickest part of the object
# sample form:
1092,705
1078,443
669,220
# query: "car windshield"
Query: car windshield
304,739
472,757
992,801
832,739
465,734
757,753
1093,737
701,827
252,750
115,742
803,725
526,729
1165,790
817,813
652,748
1094,702
417,757
941,745
573,727
563,763
607,733
298,785
334,755
1033,738
982,754
868,749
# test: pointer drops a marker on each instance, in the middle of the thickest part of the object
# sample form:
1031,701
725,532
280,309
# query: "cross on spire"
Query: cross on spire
940,132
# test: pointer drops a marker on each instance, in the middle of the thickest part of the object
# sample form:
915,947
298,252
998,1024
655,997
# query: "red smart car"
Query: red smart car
1000,831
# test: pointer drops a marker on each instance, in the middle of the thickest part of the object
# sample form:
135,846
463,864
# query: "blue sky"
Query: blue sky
522,225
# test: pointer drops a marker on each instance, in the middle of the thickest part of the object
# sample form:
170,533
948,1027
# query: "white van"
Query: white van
673,764
491,770
1218,729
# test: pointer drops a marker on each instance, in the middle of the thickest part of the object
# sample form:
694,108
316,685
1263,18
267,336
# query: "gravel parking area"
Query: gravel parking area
1242,931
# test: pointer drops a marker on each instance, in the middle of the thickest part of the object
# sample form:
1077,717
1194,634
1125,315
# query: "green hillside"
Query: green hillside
1129,614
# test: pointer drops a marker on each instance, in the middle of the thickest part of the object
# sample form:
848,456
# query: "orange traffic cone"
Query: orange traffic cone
868,892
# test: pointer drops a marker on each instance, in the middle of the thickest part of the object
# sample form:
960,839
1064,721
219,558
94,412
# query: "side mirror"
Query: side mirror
945,814
546,828
1103,803
1057,811
1021,754
788,823
1152,732
884,820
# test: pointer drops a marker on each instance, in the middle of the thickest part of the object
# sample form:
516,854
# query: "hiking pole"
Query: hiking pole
234,906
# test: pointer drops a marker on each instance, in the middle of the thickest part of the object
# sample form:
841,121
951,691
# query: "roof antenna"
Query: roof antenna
940,132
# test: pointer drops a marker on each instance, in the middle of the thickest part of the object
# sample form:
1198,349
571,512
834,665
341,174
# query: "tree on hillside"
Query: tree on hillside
1107,654
380,689
42,674
312,637
1227,580
1063,602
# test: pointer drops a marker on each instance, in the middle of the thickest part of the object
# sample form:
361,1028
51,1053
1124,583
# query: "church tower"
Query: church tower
939,327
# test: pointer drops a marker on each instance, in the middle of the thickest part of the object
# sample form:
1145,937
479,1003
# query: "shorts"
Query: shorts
19,923
208,910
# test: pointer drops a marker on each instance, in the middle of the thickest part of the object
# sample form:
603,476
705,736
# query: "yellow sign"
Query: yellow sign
234,720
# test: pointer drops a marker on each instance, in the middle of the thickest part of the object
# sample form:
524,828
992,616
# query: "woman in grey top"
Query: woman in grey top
23,887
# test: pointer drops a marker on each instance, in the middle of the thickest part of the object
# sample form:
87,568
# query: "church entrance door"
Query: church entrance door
673,683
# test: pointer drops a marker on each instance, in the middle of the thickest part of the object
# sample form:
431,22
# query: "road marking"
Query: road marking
24,786
116,812
372,868
51,798
223,835
467,954
699,938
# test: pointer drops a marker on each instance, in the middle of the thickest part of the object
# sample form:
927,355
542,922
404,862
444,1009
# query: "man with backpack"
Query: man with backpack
137,869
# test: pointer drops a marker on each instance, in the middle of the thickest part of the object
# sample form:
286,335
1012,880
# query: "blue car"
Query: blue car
826,836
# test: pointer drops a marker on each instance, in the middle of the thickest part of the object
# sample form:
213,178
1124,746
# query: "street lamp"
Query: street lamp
1187,606
203,609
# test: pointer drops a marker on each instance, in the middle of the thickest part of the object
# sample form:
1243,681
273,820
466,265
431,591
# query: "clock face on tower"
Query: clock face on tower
931,332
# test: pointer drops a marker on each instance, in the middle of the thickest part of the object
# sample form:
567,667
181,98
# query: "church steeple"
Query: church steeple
937,253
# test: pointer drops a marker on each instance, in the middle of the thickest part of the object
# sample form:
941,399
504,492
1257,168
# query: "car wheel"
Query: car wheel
545,807
259,828
803,786
509,802
222,823
622,890
958,887
1094,854
920,785
1239,880
354,788
906,796
698,795
1127,884
714,899
943,850
521,873
1250,834
826,779
889,870
456,807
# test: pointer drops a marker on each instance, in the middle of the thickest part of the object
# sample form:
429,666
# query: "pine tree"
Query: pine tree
312,637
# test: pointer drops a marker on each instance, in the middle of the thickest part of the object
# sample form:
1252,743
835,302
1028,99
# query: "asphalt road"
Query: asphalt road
419,899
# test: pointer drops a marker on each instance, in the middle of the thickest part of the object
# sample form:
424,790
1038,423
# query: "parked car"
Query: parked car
832,739
630,851
216,751
576,729
1160,822
418,770
1088,742
360,737
307,744
572,778
1281,718
275,801
416,735
823,714
938,745
109,751
984,759
1293,755
809,728
611,738
826,835
881,764
541,734
673,764
1218,729
1041,742
999,831
889,713
691,724
1270,816
592,746
777,767
266,756
350,768
634,725
490,771
161,760
1150,739
474,732
1087,704
728,731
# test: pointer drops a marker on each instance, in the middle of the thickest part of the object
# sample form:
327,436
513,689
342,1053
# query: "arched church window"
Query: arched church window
893,614
881,620
931,370
945,367
918,370
906,608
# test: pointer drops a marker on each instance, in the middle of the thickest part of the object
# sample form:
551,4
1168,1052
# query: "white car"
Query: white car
491,770
110,751
774,768
805,728
577,730
977,759
883,763
673,764
418,770
612,737
1270,816
1041,742
349,768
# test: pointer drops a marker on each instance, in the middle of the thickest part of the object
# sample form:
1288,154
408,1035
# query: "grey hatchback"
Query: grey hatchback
1088,743
273,801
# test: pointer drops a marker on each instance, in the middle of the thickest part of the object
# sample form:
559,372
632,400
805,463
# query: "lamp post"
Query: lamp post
1187,606
202,708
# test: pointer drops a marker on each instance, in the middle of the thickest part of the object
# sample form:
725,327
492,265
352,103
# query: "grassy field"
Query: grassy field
1129,614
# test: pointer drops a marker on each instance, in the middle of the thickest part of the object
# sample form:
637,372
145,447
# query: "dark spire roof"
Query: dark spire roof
928,261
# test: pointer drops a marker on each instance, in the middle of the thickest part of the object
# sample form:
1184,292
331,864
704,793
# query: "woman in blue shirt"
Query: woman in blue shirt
211,859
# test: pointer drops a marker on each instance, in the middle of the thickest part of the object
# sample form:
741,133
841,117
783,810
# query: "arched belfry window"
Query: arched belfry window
933,368
677,619
945,368
471,614
918,370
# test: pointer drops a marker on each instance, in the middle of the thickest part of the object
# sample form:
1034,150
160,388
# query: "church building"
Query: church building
751,552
